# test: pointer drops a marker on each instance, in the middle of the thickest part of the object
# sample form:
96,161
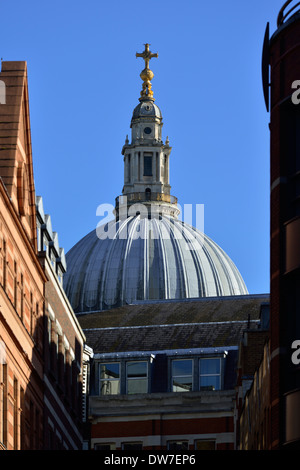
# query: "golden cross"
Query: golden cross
146,55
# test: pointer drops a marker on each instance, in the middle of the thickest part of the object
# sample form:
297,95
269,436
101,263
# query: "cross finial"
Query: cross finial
146,55
146,74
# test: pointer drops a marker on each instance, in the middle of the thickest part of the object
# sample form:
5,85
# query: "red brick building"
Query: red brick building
254,422
21,276
253,387
42,347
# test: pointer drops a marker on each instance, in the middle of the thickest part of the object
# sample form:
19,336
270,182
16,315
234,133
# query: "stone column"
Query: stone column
125,169
135,168
154,156
129,164
166,169
142,166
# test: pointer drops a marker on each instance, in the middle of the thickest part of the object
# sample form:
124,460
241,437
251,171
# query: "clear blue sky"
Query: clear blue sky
84,84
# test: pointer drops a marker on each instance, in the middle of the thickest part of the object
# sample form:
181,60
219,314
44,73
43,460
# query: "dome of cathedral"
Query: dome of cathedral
146,253
147,259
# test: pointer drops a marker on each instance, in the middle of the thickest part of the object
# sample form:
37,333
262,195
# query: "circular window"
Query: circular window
147,130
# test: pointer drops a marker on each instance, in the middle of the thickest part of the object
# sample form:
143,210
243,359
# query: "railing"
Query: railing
145,197
283,15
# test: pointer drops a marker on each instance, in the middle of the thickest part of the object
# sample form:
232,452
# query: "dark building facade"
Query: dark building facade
282,54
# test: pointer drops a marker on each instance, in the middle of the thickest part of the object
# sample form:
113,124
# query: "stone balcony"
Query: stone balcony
159,203
145,197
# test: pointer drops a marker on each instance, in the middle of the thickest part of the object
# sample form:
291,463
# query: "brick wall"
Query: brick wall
21,335
254,422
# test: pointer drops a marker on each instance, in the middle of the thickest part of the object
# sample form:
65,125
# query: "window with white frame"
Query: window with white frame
210,373
110,378
137,377
182,375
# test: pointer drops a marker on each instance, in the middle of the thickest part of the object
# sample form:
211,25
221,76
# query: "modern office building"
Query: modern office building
281,73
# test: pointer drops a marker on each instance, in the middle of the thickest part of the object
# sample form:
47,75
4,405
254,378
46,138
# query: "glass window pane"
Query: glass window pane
182,384
210,382
210,366
137,377
183,367
109,378
137,386
137,369
110,371
109,387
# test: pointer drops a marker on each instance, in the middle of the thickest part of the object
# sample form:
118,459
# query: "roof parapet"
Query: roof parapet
44,220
